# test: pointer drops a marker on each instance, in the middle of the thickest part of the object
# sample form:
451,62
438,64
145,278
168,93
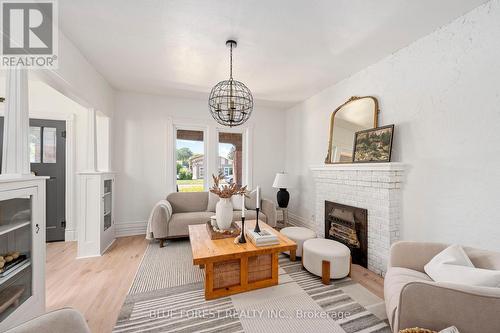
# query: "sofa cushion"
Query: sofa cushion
213,199
236,201
251,200
249,215
185,202
394,281
178,224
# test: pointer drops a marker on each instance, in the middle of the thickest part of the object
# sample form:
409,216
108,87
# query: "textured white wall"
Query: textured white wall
141,157
442,92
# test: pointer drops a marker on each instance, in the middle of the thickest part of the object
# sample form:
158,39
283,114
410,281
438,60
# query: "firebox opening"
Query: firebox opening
348,225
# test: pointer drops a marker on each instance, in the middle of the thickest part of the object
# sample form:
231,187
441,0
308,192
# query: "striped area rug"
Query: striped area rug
167,295
334,301
166,267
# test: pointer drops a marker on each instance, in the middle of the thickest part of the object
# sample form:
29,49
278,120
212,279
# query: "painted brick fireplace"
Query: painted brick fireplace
375,187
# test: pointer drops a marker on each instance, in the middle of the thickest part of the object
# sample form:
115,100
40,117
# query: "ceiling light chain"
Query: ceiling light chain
231,61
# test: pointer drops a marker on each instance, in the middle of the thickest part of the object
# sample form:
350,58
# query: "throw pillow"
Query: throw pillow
251,201
454,265
236,201
453,255
213,199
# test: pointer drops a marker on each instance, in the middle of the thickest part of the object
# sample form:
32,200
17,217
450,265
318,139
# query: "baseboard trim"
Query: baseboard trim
299,221
107,247
70,235
123,229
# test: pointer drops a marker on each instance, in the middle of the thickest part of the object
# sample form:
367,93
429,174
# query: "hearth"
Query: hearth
348,225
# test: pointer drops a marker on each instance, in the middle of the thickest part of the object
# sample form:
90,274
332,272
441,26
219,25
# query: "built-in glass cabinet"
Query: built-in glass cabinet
22,249
15,253
96,227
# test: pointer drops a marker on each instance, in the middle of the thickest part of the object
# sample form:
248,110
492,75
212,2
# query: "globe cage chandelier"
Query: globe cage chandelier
230,101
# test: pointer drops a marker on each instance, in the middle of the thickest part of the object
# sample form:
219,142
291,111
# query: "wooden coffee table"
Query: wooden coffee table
235,268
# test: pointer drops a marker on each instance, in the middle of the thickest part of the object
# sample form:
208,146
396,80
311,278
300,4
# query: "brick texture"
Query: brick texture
377,190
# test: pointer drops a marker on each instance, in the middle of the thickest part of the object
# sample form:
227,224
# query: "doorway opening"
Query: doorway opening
48,158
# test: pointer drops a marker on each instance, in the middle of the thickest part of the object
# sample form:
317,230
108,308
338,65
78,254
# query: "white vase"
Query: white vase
224,213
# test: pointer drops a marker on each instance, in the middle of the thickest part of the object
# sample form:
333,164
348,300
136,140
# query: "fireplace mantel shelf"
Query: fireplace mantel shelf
391,166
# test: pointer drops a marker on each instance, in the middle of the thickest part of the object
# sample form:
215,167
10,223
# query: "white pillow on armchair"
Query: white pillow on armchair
454,265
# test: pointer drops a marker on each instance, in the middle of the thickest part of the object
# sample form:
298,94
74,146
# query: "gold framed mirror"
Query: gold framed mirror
356,114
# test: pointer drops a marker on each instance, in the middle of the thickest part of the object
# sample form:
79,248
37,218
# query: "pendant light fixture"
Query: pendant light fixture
230,101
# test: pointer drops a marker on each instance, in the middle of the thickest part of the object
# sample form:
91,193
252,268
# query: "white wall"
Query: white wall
103,137
142,156
442,92
77,79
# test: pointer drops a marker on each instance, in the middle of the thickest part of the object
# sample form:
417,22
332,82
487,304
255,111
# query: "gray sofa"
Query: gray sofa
191,208
413,299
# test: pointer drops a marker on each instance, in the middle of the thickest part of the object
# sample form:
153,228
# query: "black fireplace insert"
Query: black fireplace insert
348,225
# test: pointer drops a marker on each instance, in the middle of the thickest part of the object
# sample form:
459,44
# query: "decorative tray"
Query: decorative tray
233,231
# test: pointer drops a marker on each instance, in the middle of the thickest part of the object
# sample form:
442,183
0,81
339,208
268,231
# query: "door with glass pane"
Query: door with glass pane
48,158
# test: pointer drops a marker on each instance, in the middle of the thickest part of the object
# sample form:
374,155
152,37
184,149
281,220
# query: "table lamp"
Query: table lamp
282,181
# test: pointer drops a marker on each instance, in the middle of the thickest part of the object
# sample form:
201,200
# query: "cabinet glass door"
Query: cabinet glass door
16,243
108,201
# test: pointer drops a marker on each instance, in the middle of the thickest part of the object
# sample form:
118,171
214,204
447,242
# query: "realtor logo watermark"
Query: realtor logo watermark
29,34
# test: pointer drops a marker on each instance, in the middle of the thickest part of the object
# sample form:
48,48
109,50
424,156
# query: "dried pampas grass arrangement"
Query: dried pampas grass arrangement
226,191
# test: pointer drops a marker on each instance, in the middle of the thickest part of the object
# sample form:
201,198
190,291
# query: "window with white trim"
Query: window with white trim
190,160
231,156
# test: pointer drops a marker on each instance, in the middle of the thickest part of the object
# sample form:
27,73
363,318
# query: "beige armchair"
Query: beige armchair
414,300
59,321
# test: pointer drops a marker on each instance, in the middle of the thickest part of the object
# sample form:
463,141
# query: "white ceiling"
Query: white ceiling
287,50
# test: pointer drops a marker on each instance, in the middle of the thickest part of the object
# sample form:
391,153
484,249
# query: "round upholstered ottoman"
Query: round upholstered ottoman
299,235
326,258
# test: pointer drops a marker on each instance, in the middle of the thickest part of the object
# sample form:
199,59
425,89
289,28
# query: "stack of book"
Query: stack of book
262,238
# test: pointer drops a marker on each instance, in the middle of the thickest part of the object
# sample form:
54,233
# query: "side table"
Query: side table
281,217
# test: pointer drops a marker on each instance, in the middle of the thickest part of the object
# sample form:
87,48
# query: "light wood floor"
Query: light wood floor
368,279
97,286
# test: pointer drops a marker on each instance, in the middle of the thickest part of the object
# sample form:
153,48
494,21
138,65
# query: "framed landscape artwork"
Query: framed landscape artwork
373,145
